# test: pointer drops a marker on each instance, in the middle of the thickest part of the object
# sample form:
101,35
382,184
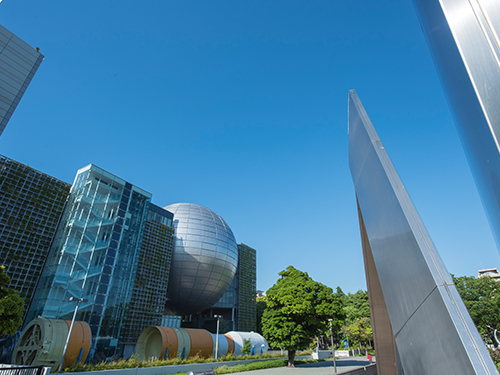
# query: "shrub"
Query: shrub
134,363
247,346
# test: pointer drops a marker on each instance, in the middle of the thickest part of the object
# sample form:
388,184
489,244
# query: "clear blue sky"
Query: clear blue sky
241,106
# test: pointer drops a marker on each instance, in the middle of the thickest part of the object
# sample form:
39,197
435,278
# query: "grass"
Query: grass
260,366
251,366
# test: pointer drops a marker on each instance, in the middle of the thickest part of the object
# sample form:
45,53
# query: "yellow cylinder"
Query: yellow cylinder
42,343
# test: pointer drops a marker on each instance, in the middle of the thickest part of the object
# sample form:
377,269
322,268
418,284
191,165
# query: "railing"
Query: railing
365,370
99,198
24,370
73,248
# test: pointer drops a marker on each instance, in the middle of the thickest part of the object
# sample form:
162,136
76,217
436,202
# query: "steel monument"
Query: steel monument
464,40
421,326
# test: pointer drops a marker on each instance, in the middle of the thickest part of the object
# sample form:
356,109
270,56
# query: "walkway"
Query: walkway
318,368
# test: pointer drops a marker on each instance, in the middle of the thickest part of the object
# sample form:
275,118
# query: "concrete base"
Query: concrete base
322,354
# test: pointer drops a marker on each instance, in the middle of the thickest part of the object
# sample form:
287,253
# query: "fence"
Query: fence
24,370
365,370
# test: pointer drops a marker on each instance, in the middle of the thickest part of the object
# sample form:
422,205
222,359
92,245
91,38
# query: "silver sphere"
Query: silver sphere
204,260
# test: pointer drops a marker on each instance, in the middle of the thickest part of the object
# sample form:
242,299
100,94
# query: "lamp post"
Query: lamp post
71,299
217,336
333,348
494,333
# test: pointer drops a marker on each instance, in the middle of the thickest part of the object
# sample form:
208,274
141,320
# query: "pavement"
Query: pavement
318,368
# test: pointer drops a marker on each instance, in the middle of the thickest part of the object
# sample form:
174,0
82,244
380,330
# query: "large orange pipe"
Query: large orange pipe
42,341
170,342
230,344
167,343
78,345
201,343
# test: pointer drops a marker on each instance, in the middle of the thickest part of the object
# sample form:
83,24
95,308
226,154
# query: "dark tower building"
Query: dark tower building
246,274
31,203
151,281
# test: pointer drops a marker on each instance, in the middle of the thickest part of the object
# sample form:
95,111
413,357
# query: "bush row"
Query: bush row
134,363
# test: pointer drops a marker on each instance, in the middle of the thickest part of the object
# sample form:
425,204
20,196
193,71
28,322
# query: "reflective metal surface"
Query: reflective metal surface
383,336
433,331
464,39
204,260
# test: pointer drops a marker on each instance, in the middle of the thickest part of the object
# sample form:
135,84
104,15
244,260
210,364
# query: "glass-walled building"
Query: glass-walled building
115,249
94,256
18,64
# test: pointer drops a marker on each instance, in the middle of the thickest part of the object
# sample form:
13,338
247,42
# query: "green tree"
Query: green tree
360,331
261,304
356,306
337,324
11,306
481,296
298,308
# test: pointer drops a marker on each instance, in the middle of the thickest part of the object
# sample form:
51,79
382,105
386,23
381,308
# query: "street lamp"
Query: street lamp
494,333
71,299
333,348
217,336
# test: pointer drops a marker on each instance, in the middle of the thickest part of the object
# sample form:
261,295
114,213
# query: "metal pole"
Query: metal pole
348,350
69,333
494,334
217,338
333,348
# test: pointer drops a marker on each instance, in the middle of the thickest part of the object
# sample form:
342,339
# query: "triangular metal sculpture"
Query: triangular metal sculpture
464,39
421,326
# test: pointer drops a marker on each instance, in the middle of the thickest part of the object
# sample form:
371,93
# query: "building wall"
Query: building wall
237,306
31,203
247,269
18,64
150,287
94,256
492,272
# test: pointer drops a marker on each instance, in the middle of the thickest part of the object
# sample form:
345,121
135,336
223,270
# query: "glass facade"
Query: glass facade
204,261
151,281
104,241
95,255
18,64
31,203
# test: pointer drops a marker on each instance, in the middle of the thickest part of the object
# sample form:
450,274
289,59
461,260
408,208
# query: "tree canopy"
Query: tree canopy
11,306
298,308
360,331
261,304
482,299
356,306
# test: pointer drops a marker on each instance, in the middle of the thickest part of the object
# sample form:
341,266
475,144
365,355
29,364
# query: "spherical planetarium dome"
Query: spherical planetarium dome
204,260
